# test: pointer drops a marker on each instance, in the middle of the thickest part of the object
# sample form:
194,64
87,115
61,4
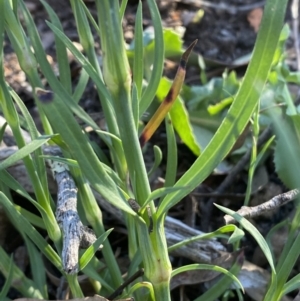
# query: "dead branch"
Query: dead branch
274,203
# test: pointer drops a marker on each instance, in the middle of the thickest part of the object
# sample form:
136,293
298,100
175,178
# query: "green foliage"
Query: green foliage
209,118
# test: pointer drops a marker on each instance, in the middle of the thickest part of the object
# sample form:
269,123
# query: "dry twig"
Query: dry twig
75,234
274,203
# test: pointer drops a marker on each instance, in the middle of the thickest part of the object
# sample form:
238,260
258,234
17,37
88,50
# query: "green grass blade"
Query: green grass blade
171,169
210,267
9,181
292,284
61,52
32,218
135,105
95,73
122,8
90,252
52,226
23,152
157,160
2,26
254,232
241,109
138,62
34,134
20,282
81,86
8,281
158,193
2,131
236,235
80,149
222,285
36,262
48,72
23,225
288,259
158,61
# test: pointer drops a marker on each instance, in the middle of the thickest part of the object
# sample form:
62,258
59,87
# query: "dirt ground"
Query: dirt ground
226,31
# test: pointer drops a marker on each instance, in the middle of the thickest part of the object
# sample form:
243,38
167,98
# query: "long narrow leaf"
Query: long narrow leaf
80,148
193,267
254,232
25,151
36,262
158,61
8,281
90,252
61,52
20,282
30,231
138,52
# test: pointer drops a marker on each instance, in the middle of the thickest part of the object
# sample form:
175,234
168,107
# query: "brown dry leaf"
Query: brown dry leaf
94,298
254,18
255,281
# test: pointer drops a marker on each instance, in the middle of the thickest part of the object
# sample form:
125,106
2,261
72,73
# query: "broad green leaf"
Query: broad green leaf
198,97
294,77
173,43
287,149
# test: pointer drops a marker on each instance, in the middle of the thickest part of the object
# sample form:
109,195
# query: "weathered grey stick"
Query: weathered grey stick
275,202
75,234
